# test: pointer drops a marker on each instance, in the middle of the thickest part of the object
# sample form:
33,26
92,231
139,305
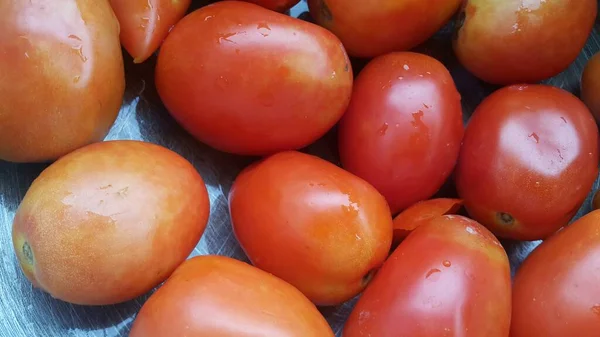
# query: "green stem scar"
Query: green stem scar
505,218
27,253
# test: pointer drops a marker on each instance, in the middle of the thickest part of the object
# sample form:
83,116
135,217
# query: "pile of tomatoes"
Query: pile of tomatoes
109,221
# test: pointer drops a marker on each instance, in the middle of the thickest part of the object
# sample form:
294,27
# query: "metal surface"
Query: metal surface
25,311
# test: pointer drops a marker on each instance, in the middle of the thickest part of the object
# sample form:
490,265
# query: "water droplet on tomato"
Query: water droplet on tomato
383,129
263,29
433,274
447,263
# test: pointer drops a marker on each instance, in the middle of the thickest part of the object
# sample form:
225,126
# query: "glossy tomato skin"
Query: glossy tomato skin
213,295
110,221
403,128
62,79
146,23
529,158
590,85
556,290
421,213
275,5
373,28
312,224
539,39
450,277
247,80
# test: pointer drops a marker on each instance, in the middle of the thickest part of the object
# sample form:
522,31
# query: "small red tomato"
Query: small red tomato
517,41
373,28
555,292
275,5
421,213
590,85
217,296
247,80
312,224
450,277
146,23
403,128
529,158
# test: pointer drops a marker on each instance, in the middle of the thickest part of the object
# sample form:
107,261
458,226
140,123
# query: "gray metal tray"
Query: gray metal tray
25,311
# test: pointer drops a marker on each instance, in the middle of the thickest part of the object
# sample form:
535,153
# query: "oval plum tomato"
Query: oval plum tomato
146,23
110,221
212,295
403,128
61,77
421,213
539,39
590,85
247,80
450,277
556,291
373,28
528,160
276,5
312,224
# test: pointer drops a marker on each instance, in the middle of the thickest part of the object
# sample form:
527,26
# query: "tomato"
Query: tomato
219,296
146,23
590,85
374,28
247,80
62,79
312,224
450,277
421,213
110,221
516,41
276,5
556,290
528,160
403,128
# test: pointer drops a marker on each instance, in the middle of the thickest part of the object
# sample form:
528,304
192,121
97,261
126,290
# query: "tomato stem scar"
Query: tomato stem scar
505,218
27,253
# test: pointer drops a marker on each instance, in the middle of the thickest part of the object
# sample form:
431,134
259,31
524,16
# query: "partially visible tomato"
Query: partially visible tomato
421,213
517,41
210,296
376,27
403,128
450,277
590,85
61,77
275,5
311,223
146,23
247,80
529,158
556,291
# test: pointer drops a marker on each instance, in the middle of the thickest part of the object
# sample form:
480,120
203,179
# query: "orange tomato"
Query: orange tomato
421,213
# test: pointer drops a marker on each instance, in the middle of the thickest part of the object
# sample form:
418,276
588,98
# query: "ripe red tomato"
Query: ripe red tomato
590,85
110,221
61,77
450,277
529,158
210,296
421,213
512,42
403,128
373,28
146,23
247,80
311,223
556,291
275,5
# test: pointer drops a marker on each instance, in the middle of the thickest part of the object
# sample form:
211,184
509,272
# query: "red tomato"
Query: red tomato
450,277
61,77
403,128
529,158
275,5
556,291
517,41
209,296
311,223
590,85
421,213
110,221
373,28
247,80
146,23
